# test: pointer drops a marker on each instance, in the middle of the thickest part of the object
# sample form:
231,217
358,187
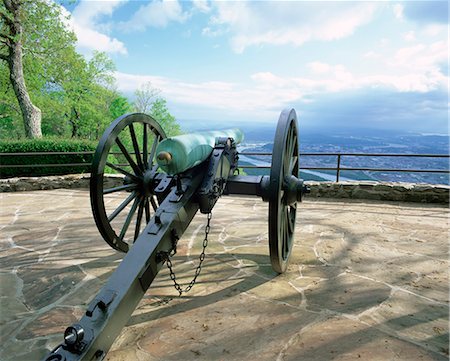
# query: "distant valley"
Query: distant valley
378,143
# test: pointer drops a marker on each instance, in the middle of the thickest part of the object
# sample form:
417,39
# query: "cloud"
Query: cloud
202,6
265,93
398,11
327,102
89,12
421,58
282,23
85,22
377,109
410,36
319,68
251,99
156,14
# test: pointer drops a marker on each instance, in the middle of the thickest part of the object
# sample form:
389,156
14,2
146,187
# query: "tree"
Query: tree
120,106
161,114
35,39
144,97
87,93
11,38
148,101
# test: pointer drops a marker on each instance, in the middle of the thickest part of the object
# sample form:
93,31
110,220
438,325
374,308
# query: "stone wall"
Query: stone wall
385,191
403,192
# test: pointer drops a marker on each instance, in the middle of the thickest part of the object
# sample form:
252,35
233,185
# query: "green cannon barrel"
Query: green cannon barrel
182,152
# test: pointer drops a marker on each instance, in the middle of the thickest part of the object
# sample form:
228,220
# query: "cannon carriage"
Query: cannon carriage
163,182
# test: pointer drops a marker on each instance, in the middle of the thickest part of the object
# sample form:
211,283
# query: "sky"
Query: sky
380,65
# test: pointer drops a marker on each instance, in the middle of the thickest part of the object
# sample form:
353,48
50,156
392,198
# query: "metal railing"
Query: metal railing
338,169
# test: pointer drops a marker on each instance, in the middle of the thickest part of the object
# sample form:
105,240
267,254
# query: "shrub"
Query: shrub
44,146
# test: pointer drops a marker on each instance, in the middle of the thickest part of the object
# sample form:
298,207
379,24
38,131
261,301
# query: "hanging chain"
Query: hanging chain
199,267
216,193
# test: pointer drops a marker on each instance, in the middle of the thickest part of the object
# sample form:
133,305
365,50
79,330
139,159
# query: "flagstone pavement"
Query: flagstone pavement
367,280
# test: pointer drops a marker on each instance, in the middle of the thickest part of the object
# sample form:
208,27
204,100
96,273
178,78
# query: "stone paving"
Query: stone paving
367,280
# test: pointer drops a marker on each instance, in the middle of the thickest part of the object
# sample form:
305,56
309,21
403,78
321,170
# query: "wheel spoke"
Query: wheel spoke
153,202
145,145
287,234
128,220
137,152
281,232
138,219
147,210
122,206
132,163
120,188
153,151
292,141
123,171
294,160
289,218
287,156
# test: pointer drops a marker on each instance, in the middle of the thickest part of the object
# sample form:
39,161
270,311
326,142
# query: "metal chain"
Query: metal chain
199,267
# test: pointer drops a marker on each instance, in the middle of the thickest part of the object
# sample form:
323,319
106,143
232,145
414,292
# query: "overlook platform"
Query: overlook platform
367,280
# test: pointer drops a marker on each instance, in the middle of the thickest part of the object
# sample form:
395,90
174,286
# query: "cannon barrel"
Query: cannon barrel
180,153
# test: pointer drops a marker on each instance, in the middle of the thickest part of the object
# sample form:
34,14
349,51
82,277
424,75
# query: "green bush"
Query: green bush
44,145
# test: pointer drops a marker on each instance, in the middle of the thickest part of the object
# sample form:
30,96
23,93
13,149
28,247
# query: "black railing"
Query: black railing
338,169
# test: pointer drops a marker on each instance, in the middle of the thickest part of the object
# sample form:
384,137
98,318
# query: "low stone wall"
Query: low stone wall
24,184
402,192
385,191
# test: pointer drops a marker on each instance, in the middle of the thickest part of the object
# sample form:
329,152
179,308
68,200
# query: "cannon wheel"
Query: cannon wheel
127,148
282,215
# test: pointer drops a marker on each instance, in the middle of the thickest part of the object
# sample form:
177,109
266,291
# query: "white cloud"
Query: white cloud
411,69
281,23
156,14
409,36
91,39
202,5
249,99
435,30
372,55
88,12
421,58
398,11
85,22
319,68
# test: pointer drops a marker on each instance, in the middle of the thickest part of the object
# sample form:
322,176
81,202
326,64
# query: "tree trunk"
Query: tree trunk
74,121
31,114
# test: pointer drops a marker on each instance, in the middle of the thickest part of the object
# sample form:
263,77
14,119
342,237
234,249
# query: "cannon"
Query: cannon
163,182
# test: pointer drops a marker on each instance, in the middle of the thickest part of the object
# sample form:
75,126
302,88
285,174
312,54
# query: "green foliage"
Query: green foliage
119,107
73,94
161,114
76,95
45,145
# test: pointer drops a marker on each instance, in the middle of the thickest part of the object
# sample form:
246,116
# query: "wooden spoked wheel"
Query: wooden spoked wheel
282,207
123,179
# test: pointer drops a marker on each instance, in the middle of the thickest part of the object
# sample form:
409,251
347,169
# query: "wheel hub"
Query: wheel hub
148,183
293,189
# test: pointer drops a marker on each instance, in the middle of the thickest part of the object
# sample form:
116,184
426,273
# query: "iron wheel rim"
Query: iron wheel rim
285,162
132,176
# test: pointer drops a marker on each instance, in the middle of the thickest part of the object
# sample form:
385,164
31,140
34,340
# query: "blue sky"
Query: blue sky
375,65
